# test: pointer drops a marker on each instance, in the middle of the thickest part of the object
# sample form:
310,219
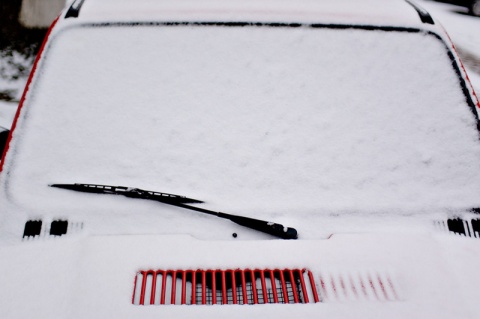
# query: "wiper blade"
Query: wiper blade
127,191
271,228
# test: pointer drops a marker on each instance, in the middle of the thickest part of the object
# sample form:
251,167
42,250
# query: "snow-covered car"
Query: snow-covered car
472,5
278,159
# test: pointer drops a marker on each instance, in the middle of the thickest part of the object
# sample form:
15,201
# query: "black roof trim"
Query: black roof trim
425,17
74,9
260,24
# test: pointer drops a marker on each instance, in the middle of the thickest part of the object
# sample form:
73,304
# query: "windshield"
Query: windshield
263,121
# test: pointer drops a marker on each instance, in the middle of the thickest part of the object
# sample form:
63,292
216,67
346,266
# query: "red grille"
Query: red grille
372,286
209,287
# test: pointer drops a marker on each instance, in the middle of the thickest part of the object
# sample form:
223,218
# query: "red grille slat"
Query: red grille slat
393,288
284,287
370,281
382,287
164,286
254,287
144,287
174,286
264,286
214,288
274,287
324,288
194,288
230,286
364,288
204,287
304,288
134,288
234,288
224,288
244,288
312,285
352,286
294,288
184,287
154,285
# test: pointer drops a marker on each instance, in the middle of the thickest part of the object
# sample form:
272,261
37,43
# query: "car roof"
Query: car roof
368,12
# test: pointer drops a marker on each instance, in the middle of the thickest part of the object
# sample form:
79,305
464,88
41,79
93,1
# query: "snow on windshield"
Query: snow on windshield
257,119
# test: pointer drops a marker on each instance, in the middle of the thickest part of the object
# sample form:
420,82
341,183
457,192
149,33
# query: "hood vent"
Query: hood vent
209,287
465,227
35,229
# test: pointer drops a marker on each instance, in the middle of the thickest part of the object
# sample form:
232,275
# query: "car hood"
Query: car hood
375,275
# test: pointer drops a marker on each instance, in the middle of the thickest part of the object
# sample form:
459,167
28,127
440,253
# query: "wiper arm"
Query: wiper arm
274,229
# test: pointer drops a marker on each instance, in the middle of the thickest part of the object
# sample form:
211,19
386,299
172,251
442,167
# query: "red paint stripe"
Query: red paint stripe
462,66
27,86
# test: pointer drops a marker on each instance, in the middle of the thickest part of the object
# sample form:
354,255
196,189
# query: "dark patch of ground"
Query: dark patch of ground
469,59
15,38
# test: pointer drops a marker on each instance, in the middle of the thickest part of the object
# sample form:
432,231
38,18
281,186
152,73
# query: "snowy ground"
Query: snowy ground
7,113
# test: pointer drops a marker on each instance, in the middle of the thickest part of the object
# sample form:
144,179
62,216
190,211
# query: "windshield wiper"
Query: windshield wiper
271,228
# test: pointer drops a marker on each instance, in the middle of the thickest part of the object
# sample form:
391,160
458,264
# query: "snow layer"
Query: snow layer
262,120
93,276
